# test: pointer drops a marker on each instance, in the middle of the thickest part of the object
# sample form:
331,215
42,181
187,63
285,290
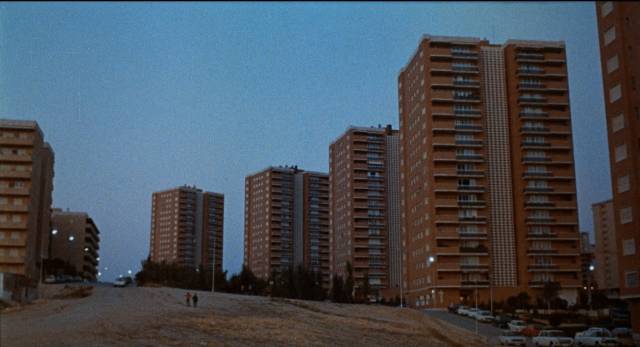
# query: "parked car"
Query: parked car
502,321
508,338
624,337
122,281
552,338
463,310
453,308
516,326
484,316
471,313
595,337
50,279
530,330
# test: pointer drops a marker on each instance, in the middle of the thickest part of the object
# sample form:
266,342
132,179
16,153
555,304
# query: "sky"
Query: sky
142,97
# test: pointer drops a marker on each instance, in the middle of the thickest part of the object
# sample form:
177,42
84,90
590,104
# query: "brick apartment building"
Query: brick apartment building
26,185
75,239
619,33
287,222
487,171
187,227
606,253
365,206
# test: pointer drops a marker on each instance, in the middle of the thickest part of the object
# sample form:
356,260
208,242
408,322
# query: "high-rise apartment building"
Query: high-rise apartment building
487,172
619,32
26,185
286,222
365,206
187,227
606,252
75,240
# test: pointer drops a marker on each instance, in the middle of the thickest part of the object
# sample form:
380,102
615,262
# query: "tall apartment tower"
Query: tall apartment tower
187,227
606,252
26,185
619,32
365,206
75,239
487,171
287,221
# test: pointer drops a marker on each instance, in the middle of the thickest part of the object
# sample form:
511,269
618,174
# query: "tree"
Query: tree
550,292
523,300
366,287
348,285
337,289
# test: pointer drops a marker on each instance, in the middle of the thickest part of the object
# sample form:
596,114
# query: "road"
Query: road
135,316
486,330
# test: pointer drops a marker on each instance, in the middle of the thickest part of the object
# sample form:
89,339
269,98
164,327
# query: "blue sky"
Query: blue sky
142,97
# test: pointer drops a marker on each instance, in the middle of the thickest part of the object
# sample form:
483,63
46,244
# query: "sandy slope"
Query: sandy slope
158,317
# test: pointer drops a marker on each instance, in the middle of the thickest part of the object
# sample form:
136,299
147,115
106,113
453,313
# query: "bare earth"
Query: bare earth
159,317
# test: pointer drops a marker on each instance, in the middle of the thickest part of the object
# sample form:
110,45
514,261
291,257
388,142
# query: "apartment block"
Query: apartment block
187,227
619,33
287,221
26,185
75,240
365,206
487,172
606,253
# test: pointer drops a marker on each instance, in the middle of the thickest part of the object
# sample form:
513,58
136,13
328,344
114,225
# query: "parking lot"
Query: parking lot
487,330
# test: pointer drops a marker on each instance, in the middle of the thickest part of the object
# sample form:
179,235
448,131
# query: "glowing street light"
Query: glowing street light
86,249
71,238
591,267
129,272
99,274
54,231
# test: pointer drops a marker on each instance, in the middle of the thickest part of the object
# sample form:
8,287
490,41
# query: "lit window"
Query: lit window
615,94
609,35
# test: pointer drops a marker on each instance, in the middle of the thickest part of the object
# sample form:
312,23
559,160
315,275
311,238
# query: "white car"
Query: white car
471,312
463,310
122,281
484,316
509,338
552,338
595,337
516,326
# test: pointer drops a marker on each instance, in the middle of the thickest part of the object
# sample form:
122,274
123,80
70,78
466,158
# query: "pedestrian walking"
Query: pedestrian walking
195,300
188,297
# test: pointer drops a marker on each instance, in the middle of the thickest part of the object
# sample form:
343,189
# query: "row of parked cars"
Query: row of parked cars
516,332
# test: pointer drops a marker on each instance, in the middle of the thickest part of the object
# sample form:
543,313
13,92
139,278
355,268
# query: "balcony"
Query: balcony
467,127
529,114
481,249
532,99
529,56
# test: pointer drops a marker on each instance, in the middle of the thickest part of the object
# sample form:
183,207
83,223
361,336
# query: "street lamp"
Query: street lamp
589,285
129,272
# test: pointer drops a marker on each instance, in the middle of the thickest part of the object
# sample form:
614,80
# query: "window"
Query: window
621,153
609,35
626,215
613,64
617,123
614,94
629,247
623,184
606,8
631,279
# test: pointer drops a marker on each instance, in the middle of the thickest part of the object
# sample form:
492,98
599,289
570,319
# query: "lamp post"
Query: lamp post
430,260
589,287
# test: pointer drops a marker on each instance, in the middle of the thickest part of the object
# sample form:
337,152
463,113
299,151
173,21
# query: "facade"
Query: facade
606,253
365,211
187,227
619,33
75,240
487,172
286,222
587,276
26,186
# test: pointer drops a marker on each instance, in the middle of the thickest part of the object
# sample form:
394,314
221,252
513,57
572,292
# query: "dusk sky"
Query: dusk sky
142,97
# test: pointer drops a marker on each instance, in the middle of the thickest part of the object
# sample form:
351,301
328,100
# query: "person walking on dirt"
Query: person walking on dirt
188,297
195,300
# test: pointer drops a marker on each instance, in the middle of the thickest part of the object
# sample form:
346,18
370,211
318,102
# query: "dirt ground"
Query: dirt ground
159,317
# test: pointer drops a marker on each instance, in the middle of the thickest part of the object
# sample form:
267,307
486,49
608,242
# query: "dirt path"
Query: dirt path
158,317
